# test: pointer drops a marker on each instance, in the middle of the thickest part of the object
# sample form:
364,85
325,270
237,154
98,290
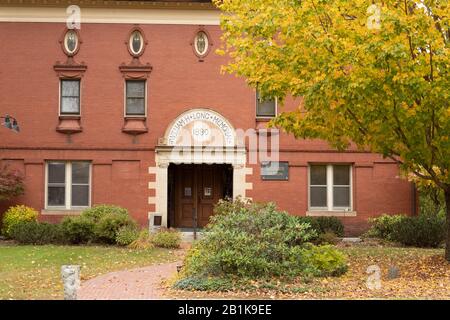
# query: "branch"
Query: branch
413,55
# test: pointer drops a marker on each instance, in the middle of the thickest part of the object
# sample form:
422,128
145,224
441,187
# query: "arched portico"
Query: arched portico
198,136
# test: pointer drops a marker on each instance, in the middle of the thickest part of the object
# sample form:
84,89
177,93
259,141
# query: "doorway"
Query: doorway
193,191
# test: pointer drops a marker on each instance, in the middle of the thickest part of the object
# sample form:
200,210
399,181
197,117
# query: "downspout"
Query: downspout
414,200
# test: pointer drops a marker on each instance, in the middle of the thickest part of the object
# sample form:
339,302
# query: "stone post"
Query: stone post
71,280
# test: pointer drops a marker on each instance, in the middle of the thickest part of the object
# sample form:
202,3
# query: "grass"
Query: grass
33,272
423,274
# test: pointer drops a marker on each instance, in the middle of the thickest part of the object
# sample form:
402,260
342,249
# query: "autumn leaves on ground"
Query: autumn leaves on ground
33,272
422,274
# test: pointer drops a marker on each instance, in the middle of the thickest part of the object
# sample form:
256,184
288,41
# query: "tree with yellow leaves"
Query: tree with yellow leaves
371,73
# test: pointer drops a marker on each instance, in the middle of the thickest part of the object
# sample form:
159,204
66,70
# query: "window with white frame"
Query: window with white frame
135,100
330,187
69,97
265,108
68,184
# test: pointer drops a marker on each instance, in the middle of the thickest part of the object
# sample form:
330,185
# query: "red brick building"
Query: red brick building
104,110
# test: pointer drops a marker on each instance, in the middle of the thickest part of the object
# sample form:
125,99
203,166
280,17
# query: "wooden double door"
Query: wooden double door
197,189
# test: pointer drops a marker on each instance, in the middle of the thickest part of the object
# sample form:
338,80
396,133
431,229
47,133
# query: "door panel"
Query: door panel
197,187
184,195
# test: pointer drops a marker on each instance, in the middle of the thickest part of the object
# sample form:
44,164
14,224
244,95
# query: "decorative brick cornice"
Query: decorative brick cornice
70,69
112,4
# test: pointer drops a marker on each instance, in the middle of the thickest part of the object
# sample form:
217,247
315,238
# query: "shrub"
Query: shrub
330,224
383,226
322,261
78,230
33,232
107,220
253,241
11,183
126,235
327,238
15,215
421,231
167,238
96,213
106,229
143,242
324,224
425,230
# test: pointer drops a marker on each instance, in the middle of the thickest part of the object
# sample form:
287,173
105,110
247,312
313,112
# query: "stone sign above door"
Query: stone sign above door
201,127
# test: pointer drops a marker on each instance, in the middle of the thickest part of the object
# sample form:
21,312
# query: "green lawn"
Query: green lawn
33,272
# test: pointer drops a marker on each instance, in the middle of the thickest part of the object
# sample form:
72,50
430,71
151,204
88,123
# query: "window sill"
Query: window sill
319,213
135,125
61,212
69,117
264,118
69,124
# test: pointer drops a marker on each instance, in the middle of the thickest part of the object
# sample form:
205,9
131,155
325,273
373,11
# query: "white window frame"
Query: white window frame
59,99
330,186
125,100
256,108
68,186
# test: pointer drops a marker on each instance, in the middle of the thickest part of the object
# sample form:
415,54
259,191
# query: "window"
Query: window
265,108
68,184
70,97
201,43
71,42
330,187
135,98
136,43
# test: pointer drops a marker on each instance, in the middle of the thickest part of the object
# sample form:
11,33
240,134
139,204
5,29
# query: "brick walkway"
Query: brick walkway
142,283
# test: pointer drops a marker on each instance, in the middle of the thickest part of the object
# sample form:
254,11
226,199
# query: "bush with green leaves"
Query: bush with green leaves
327,238
323,261
126,235
424,230
38,233
78,230
143,241
324,224
15,215
167,238
107,220
204,284
255,241
106,229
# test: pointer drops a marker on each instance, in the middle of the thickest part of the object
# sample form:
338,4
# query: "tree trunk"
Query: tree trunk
447,204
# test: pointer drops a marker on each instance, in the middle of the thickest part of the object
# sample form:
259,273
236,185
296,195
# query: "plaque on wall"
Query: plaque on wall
187,192
274,170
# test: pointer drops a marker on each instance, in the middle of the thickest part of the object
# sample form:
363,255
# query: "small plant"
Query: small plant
143,242
322,261
126,235
167,238
204,284
15,215
38,233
